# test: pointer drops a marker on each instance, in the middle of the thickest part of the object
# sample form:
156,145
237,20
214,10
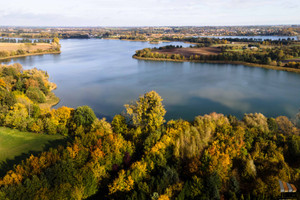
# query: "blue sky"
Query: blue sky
148,12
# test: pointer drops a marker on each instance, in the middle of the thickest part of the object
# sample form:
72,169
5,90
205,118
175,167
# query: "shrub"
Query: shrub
4,53
20,52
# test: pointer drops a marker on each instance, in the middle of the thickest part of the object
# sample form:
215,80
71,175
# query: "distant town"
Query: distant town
147,33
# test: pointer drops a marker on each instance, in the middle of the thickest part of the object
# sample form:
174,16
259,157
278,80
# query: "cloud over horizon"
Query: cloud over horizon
149,13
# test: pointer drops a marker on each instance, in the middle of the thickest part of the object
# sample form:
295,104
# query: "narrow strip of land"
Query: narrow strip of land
14,50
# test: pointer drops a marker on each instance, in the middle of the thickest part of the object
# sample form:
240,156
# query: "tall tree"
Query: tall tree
148,112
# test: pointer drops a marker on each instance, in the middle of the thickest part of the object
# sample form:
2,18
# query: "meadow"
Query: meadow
15,143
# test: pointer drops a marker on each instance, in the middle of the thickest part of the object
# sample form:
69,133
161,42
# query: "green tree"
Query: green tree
148,112
234,185
7,98
119,124
268,60
280,54
213,184
84,116
35,94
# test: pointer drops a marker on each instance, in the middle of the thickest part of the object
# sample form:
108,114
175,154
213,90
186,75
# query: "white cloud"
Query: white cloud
149,12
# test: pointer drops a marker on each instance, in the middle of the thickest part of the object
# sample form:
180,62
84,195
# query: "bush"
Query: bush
4,53
20,52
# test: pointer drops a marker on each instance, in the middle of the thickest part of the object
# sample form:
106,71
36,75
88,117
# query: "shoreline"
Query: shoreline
51,99
30,54
223,62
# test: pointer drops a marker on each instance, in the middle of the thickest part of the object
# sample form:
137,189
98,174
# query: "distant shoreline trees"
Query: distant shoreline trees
273,56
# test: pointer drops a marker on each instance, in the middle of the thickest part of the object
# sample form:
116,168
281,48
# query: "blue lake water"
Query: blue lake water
103,75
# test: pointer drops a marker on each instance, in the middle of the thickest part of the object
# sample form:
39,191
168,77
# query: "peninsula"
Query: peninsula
271,54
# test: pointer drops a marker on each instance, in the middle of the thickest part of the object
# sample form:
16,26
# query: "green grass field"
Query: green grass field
15,143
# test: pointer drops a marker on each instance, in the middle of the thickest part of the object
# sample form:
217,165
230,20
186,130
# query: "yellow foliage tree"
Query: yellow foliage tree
163,197
122,183
2,83
62,114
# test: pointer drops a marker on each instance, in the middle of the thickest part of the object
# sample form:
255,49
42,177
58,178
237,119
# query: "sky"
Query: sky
148,12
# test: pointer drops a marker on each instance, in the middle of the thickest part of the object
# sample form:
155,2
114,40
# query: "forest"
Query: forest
24,40
140,155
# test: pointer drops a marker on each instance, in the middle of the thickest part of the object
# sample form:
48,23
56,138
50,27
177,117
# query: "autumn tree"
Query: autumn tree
148,112
56,40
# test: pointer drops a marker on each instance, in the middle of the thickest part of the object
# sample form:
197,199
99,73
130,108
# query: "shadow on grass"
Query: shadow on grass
8,164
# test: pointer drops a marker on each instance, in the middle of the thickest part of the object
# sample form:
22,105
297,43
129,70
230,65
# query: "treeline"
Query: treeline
169,47
132,37
20,34
147,53
74,36
293,65
6,53
23,40
288,41
205,41
208,41
141,156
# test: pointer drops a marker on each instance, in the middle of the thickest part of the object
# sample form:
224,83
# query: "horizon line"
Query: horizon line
146,26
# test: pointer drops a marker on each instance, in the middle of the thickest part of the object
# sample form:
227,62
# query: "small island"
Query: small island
12,48
271,54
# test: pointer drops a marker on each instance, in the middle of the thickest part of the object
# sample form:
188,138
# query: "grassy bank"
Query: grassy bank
15,143
224,62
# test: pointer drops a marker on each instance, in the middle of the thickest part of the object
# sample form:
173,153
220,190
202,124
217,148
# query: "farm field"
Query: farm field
191,51
25,47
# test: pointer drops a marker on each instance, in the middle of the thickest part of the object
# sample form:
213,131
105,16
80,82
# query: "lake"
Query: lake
103,75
